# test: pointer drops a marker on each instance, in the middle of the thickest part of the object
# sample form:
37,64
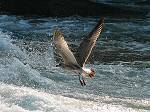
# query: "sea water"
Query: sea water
31,82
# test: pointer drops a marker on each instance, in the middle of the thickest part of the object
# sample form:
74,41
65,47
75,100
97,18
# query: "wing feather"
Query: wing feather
88,43
63,49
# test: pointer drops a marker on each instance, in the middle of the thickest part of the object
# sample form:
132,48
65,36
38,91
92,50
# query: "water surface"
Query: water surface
30,82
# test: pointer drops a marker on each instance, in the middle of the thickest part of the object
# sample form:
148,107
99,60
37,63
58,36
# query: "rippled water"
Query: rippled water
30,82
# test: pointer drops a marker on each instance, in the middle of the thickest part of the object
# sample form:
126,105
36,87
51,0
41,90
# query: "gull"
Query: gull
76,63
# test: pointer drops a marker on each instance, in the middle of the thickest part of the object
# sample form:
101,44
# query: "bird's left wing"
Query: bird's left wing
88,43
63,49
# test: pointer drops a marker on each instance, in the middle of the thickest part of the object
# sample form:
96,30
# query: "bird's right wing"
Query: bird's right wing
63,49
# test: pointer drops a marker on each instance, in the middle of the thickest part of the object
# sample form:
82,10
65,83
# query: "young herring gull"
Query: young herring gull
76,63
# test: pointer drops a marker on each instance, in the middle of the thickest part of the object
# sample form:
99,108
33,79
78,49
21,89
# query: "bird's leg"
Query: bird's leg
83,81
80,80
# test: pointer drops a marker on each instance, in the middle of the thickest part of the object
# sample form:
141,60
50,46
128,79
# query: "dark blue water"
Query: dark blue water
30,82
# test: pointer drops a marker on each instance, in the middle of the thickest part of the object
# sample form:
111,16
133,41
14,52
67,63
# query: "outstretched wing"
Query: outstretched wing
88,43
63,49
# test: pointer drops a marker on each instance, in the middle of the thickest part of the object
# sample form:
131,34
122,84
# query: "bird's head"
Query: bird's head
92,73
88,72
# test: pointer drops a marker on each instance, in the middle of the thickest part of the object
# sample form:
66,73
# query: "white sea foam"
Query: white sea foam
23,99
12,67
8,49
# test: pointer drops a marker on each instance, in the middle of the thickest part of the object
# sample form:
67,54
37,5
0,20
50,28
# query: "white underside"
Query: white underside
86,72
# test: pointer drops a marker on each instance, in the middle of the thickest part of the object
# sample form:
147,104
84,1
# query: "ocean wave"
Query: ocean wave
23,99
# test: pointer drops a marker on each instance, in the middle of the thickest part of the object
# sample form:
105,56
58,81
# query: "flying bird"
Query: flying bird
76,63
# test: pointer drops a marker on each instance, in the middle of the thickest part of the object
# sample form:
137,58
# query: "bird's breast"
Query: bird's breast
86,72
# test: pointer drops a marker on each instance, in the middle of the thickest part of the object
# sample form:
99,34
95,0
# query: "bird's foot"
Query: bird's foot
82,82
